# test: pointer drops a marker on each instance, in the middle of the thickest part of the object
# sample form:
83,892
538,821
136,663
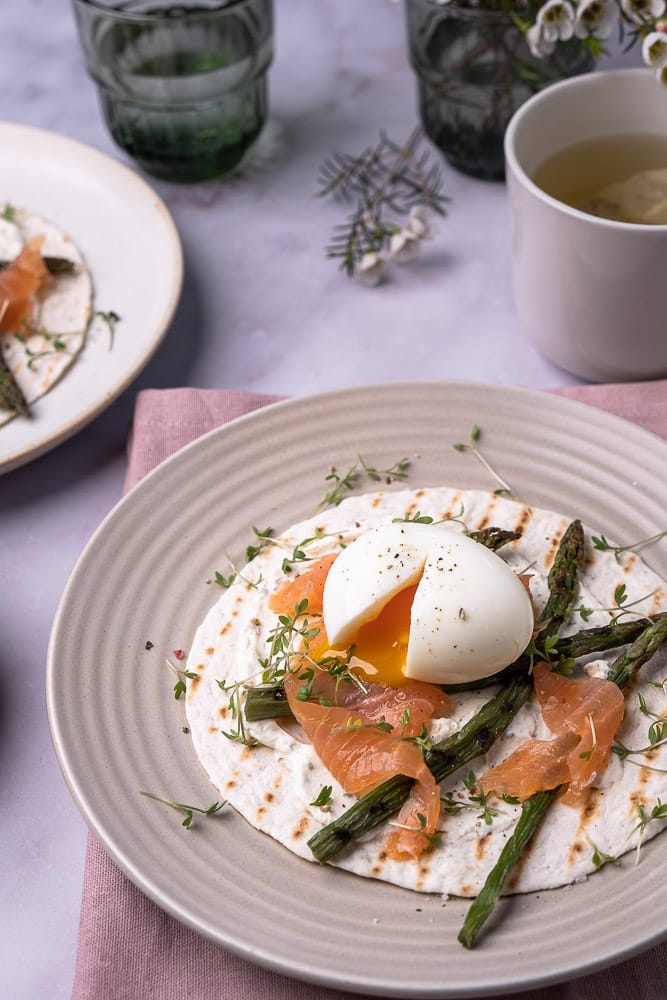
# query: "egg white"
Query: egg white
471,615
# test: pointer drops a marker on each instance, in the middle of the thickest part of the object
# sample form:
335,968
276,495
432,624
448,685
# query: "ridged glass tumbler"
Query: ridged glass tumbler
182,86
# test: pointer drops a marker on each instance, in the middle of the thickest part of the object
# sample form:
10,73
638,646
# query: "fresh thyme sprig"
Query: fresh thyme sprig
476,799
282,641
264,537
297,552
503,489
479,798
236,693
345,482
188,810
388,177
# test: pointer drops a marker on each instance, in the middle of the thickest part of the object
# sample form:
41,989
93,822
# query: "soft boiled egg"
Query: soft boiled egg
425,602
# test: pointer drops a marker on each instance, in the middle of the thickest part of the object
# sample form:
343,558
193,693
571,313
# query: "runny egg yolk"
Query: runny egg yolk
381,645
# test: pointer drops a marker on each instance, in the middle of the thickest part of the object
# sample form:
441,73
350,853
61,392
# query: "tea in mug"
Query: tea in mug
618,177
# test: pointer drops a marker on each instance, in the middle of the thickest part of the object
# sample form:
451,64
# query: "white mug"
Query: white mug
591,293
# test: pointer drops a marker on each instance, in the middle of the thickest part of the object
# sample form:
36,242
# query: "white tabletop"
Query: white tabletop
262,309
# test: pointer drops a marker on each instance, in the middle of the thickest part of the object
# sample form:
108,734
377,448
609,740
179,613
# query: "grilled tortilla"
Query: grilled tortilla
60,314
273,785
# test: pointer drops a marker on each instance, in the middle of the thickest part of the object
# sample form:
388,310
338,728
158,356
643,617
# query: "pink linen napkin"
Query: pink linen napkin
129,949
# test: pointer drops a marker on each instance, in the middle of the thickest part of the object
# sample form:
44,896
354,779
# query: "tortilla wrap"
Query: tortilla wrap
274,784
64,309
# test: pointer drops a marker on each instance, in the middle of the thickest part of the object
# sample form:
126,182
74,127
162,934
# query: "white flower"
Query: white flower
556,20
419,222
654,49
403,245
537,43
595,18
641,11
370,269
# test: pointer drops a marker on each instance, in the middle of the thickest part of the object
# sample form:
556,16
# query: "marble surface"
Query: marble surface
261,309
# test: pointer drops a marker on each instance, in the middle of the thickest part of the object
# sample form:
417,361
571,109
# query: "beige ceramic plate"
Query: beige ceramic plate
124,231
146,575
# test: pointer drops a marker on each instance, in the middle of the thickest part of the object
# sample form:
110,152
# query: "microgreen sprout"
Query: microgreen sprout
658,812
503,489
110,318
189,811
236,574
323,798
419,518
602,545
358,725
621,606
599,858
587,754
264,538
416,518
180,686
57,344
547,652
433,839
656,735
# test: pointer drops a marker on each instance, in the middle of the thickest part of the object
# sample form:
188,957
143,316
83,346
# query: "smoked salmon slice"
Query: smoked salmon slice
362,734
19,282
584,714
308,585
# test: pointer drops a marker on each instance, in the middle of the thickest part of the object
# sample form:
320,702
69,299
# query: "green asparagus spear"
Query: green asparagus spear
54,265
11,396
479,733
533,809
266,703
482,906
640,652
604,637
563,580
270,702
378,805
494,538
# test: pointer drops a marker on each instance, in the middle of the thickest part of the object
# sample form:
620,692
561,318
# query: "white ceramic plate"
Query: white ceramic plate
133,251
145,575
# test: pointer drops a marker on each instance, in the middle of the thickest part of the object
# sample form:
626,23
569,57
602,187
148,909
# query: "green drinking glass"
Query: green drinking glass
182,86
